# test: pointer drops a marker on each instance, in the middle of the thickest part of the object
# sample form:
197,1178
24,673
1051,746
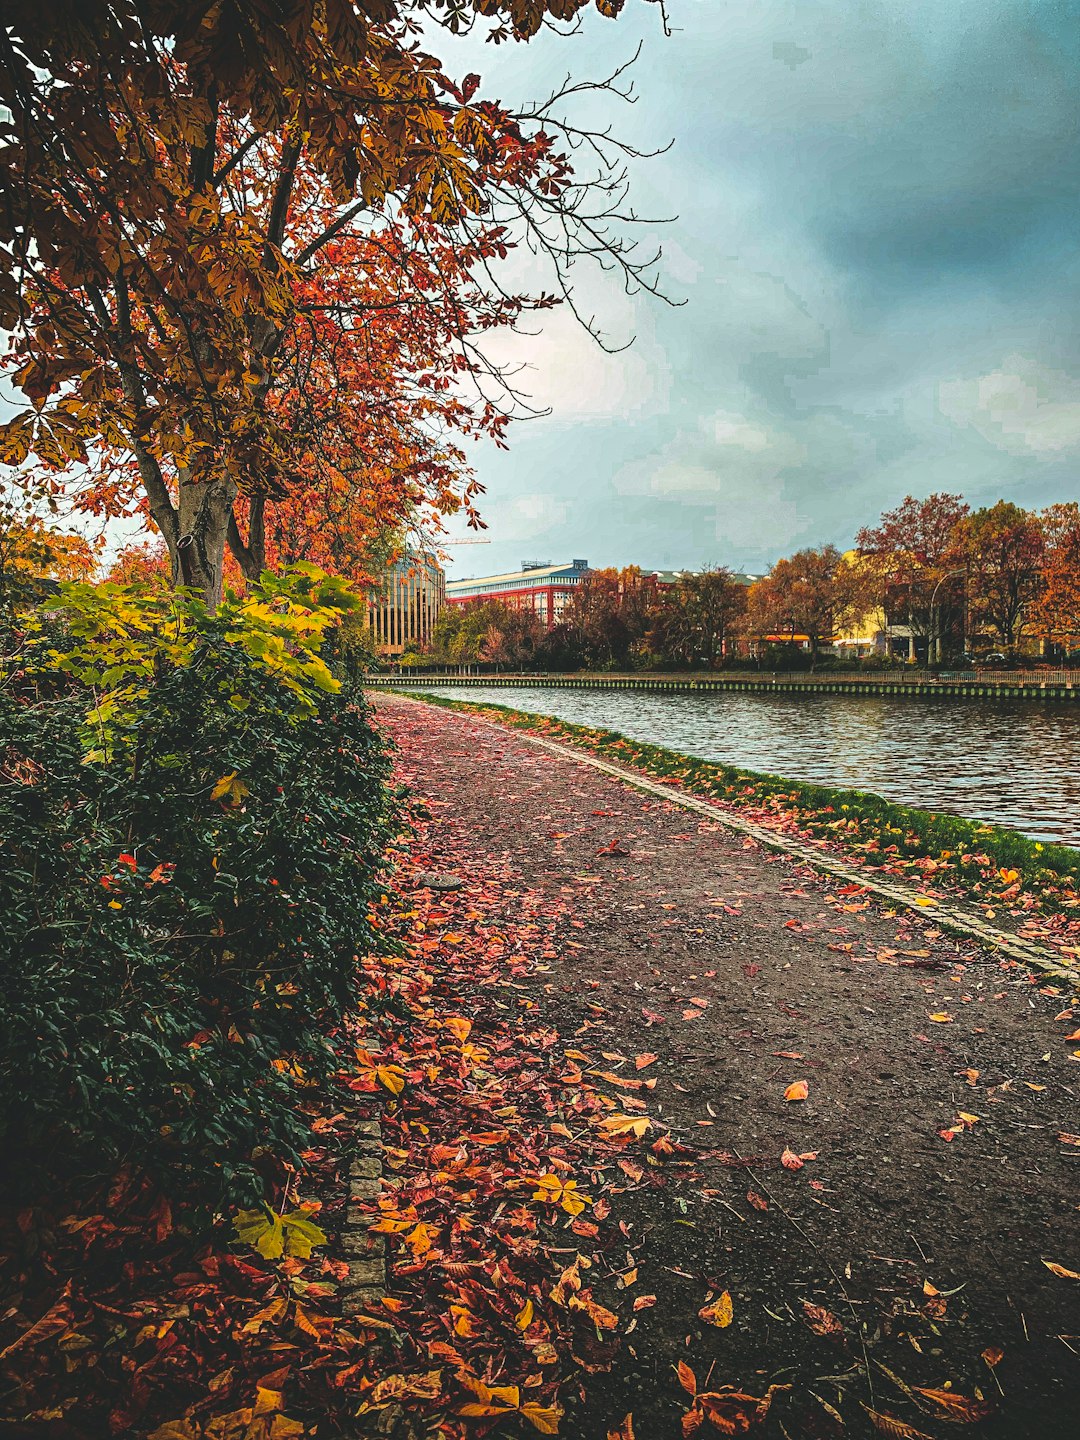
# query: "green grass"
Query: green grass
858,820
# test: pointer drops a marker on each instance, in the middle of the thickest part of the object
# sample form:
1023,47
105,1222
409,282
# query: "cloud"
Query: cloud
1023,407
876,205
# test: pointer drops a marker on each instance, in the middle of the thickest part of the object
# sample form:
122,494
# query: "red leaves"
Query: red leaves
730,1411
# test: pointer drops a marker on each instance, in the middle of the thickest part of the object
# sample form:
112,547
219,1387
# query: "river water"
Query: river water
1012,764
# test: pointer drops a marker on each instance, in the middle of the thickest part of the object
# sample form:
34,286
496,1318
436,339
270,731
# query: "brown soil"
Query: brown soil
662,912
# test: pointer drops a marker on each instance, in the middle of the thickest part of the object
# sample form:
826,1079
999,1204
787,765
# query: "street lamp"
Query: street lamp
949,574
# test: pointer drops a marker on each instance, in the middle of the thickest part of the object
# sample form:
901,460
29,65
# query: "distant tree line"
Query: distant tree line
944,576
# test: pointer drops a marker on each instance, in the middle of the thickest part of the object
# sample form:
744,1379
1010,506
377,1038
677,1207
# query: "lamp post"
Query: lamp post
949,574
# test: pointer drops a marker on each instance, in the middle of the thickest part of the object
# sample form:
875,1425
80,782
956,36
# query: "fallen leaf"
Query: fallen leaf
797,1090
960,1407
635,1125
891,1426
719,1313
687,1378
1061,1271
821,1321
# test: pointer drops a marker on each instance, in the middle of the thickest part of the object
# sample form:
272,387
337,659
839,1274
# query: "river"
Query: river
1011,764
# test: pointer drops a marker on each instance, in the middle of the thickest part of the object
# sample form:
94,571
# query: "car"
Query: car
995,658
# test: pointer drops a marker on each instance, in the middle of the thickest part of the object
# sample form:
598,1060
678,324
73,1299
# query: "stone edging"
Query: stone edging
365,1252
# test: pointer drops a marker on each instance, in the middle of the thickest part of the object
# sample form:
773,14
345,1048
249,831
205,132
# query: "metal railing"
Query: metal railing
1034,678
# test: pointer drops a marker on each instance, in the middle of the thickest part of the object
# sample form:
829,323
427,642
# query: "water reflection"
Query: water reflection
1015,765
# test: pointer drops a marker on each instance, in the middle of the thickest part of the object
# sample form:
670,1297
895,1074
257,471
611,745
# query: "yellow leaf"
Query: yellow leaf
719,1313
301,1234
458,1026
263,1230
797,1090
942,1018
273,1236
231,788
544,1418
392,1076
524,1317
1061,1271
635,1125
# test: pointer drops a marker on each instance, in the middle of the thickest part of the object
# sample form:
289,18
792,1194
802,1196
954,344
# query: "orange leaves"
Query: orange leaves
1060,1271
797,1090
791,1161
822,1321
624,1127
719,1312
492,1401
957,1407
730,1411
391,1077
641,1061
625,1430
966,1121
563,1193
889,1425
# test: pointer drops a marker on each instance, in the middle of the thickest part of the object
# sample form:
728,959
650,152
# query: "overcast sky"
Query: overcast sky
877,241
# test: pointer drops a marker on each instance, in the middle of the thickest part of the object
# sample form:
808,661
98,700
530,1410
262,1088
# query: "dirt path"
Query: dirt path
893,1247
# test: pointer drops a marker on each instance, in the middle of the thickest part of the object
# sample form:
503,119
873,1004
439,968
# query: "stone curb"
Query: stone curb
365,1252
363,1291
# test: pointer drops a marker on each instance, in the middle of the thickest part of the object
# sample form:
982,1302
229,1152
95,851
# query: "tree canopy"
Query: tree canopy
208,209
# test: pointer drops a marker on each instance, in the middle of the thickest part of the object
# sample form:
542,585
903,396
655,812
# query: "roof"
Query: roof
532,574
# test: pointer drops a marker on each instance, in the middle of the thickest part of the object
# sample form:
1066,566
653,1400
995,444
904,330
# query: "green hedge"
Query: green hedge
182,911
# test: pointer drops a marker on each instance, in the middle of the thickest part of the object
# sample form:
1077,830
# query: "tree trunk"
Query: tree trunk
205,512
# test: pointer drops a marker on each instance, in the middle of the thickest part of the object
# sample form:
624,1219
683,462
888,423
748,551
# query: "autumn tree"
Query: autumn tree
1055,611
813,593
193,201
611,611
696,616
1002,546
33,554
912,551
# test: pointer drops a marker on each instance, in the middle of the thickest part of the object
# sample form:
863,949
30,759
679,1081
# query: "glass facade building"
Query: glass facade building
403,608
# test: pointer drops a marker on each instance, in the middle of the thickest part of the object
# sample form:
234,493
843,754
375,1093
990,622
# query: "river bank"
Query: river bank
1031,887
872,1255
1012,766
1035,685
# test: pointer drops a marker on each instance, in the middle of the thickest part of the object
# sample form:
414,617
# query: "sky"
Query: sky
878,245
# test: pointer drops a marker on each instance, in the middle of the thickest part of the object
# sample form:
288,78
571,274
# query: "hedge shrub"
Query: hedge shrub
182,910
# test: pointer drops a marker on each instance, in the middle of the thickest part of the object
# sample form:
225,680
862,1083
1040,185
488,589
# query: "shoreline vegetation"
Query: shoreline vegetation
991,865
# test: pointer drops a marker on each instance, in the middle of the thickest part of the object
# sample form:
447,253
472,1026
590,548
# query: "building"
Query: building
538,586
403,608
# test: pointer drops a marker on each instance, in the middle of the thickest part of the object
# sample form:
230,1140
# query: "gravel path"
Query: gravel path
894,1247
